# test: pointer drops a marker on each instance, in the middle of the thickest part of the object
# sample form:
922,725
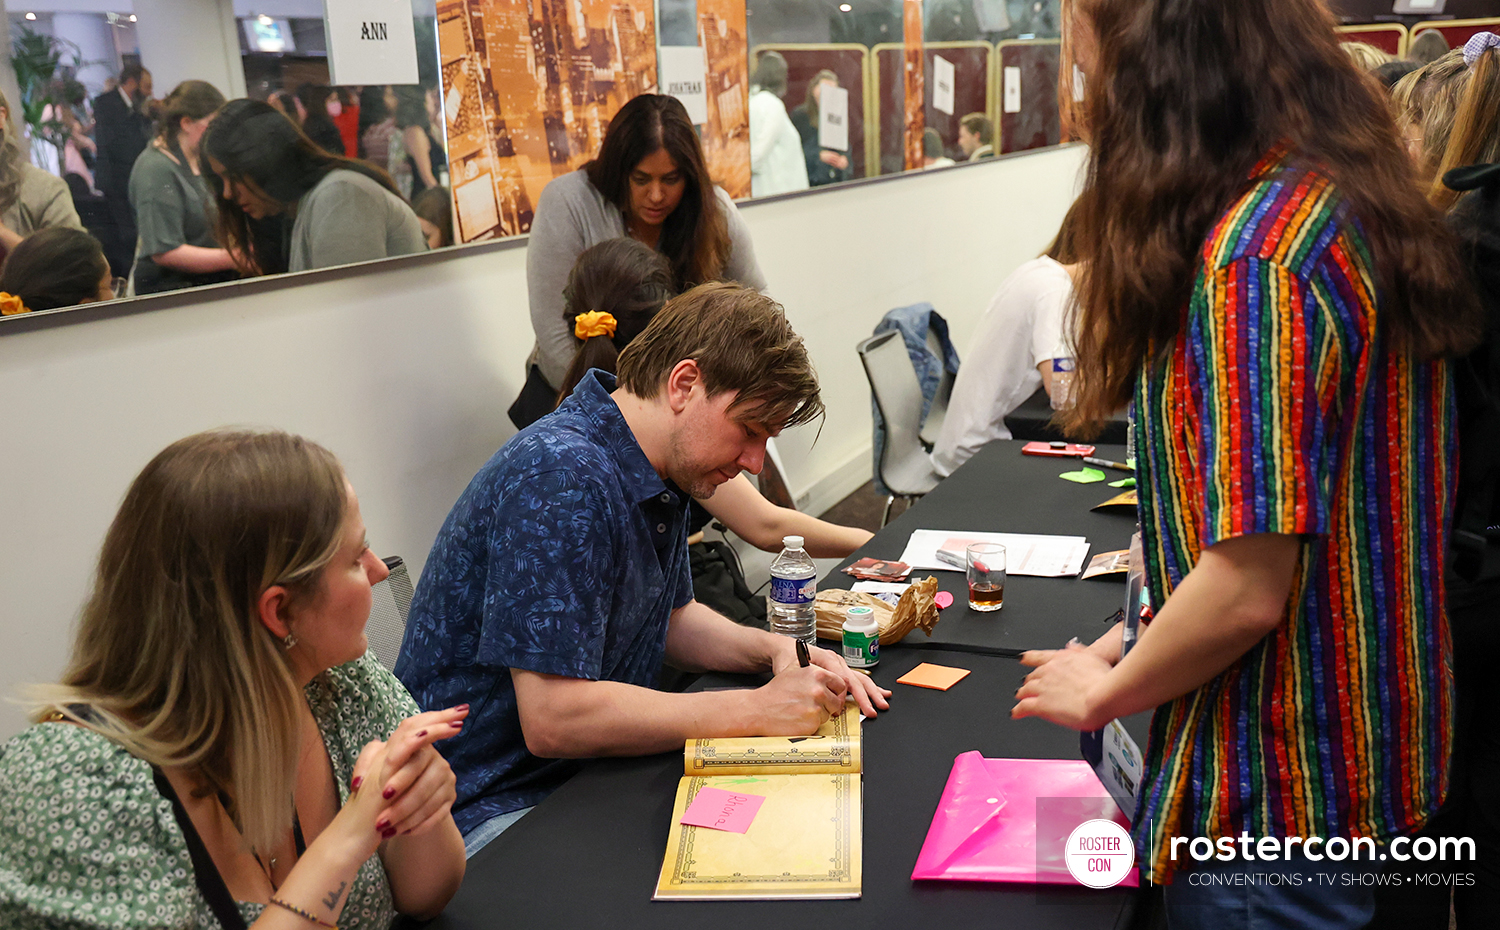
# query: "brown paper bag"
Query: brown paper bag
917,608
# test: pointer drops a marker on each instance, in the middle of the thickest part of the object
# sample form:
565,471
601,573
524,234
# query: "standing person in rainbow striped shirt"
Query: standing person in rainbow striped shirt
1265,282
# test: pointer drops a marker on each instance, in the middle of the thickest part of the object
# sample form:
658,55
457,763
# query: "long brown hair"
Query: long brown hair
624,278
695,236
1475,138
171,660
253,141
1185,99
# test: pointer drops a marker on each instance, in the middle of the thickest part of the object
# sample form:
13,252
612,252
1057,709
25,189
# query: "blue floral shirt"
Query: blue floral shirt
566,555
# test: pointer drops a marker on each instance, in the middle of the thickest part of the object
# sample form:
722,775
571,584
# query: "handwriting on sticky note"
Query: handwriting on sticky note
723,810
936,677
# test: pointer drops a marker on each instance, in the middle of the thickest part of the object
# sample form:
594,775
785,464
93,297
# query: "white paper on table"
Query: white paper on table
1012,90
881,587
1041,556
942,85
833,118
684,75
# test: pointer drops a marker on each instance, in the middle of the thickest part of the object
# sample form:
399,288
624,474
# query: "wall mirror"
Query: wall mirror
507,95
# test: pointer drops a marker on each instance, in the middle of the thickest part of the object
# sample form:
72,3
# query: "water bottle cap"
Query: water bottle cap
791,542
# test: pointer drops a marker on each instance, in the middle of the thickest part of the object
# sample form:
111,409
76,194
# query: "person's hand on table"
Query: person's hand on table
1106,647
867,695
1061,687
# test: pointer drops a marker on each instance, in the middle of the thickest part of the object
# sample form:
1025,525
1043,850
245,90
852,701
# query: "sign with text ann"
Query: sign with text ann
371,42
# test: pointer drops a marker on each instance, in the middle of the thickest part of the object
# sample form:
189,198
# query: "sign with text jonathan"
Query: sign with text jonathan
833,117
684,76
371,42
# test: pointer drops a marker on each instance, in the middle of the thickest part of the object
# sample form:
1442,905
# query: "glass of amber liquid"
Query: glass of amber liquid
986,569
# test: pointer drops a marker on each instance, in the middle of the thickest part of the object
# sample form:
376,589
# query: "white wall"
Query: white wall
405,370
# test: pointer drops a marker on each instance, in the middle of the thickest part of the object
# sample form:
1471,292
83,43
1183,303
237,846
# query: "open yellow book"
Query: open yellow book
806,840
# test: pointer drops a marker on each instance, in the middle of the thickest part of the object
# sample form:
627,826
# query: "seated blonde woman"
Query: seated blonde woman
223,751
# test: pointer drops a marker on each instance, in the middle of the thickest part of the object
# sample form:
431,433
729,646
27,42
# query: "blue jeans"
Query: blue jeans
479,837
1298,894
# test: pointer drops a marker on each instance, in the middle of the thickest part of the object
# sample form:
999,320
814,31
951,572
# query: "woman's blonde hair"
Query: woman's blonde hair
1366,56
171,660
1428,100
1474,138
12,159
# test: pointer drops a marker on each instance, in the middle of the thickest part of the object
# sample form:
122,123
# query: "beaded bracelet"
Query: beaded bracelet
301,913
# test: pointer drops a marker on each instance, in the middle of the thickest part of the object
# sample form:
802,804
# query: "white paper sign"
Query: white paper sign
1078,83
833,117
370,41
942,85
1012,90
684,75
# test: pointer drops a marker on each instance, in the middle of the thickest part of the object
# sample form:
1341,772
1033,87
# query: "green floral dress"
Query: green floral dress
87,842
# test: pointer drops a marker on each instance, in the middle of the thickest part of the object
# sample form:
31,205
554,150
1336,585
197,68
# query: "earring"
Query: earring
289,640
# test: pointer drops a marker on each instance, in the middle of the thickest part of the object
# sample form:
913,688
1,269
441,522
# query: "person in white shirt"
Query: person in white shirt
776,162
1011,353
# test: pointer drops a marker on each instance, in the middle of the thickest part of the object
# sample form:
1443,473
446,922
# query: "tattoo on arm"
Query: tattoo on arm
332,899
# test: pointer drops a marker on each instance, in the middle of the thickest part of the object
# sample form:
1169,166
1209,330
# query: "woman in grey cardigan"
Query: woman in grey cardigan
649,182
288,205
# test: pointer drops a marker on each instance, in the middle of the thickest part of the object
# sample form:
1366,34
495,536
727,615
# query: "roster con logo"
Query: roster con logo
1099,853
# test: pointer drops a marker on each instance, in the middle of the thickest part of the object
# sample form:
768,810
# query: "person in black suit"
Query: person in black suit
123,125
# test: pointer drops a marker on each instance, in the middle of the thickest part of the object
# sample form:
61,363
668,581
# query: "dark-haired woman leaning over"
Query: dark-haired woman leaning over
175,246
291,206
1264,280
223,752
650,182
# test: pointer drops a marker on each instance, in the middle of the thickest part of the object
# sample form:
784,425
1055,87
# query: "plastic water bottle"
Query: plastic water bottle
793,587
1062,383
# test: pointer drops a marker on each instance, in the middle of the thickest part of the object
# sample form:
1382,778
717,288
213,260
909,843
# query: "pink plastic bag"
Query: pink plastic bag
986,826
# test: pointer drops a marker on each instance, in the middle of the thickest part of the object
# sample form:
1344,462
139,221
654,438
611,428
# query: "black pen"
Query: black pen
803,659
1107,463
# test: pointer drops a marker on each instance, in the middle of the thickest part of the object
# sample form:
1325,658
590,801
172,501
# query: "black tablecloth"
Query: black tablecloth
589,856
1033,420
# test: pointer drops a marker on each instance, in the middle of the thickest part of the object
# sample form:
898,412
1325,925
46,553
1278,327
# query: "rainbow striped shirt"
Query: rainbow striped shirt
1279,408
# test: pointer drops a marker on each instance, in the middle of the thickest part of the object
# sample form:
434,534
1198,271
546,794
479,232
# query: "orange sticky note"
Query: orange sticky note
936,677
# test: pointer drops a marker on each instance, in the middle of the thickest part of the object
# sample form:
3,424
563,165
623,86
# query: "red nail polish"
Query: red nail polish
457,724
358,780
389,833
421,734
382,826
388,793
462,707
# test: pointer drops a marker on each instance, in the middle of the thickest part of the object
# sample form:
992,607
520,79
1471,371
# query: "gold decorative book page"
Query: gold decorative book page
834,749
805,842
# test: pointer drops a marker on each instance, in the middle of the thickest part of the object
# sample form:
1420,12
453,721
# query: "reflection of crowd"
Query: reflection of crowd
191,190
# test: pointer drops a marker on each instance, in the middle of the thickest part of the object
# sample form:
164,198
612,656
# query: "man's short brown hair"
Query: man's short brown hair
741,341
979,125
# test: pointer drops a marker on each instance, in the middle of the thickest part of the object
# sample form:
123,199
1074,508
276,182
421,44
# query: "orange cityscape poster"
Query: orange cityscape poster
726,136
529,88
916,82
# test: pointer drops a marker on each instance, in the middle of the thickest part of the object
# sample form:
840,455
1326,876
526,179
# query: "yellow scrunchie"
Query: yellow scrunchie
11,305
594,323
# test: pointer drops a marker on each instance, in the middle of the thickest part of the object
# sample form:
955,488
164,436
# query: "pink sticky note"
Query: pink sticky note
723,810
943,599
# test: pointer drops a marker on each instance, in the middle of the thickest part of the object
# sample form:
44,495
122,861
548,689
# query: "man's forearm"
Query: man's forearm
578,719
700,639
